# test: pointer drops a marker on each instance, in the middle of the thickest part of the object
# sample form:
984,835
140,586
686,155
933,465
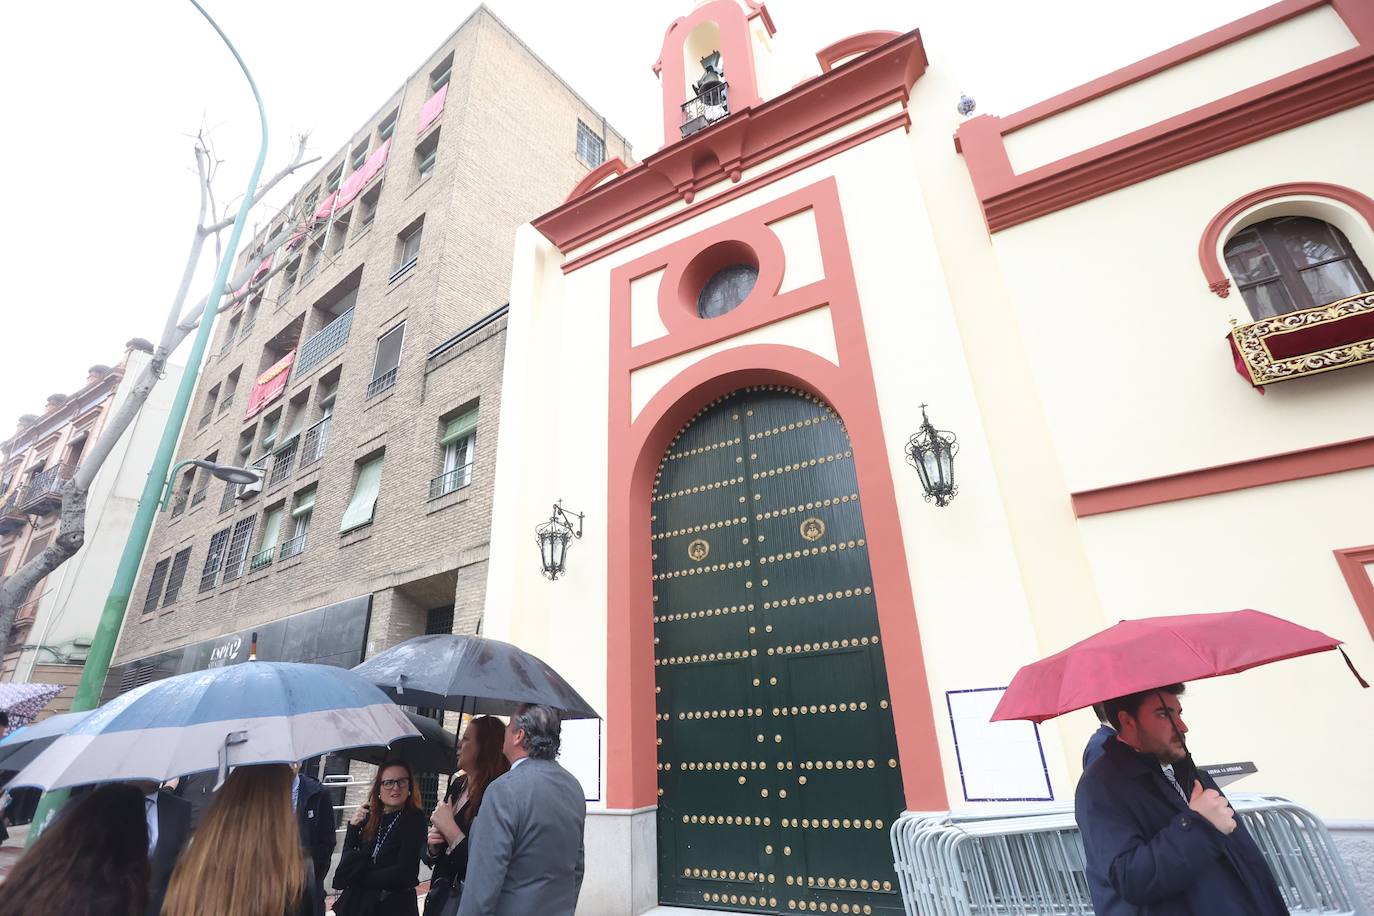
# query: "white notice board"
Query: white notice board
580,754
998,761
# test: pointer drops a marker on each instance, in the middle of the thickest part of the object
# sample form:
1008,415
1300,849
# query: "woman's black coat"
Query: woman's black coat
384,886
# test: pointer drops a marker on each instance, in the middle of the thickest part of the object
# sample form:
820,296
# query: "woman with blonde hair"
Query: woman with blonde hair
380,865
245,858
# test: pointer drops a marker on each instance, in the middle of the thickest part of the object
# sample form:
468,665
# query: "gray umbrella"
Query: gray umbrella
19,748
434,751
470,674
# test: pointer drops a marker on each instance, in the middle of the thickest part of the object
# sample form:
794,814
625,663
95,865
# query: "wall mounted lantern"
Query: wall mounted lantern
931,452
553,538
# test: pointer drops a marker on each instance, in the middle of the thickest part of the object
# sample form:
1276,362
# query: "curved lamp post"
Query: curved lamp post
553,538
931,452
227,472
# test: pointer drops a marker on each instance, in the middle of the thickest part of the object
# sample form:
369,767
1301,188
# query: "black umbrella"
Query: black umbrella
470,674
433,752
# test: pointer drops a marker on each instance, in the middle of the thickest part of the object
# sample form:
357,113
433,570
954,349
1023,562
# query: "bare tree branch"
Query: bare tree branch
71,535
298,163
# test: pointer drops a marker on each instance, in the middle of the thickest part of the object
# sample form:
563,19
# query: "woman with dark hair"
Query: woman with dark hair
480,760
245,858
380,865
99,848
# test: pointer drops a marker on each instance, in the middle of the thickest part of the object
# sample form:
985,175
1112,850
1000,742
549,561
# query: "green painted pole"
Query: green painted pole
97,665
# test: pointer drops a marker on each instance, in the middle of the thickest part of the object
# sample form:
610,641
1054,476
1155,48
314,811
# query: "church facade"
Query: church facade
1143,306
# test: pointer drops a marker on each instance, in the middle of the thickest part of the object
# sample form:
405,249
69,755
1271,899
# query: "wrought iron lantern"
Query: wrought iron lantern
553,538
931,452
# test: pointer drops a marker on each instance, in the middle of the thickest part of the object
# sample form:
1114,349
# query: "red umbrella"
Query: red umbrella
1137,655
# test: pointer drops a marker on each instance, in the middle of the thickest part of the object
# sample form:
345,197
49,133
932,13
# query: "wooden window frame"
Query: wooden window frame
1288,272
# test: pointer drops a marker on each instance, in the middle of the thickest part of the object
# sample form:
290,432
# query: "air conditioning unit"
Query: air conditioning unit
248,489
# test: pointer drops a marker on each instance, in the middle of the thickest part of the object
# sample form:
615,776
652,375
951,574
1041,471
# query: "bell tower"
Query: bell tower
709,66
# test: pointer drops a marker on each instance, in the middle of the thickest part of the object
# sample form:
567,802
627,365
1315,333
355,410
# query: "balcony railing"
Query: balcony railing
455,479
319,347
10,515
282,460
382,383
705,109
314,441
1306,342
292,547
404,269
44,490
179,503
206,417
261,559
198,497
247,328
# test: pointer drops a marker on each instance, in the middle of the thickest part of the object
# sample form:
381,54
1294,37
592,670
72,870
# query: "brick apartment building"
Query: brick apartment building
363,378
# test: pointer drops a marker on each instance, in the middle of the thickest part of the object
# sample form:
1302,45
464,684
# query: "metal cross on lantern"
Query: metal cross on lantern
931,452
553,538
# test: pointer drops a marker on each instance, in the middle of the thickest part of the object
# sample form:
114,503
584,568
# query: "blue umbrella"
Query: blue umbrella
19,748
257,712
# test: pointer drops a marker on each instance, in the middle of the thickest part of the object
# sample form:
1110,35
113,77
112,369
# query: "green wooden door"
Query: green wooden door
778,775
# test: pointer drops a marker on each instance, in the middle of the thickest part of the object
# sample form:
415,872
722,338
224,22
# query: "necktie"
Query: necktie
1169,775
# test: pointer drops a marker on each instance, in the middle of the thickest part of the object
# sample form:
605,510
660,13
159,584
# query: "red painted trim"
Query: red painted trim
1213,270
1256,472
613,166
637,445
1334,84
861,43
743,140
900,120
736,55
1352,561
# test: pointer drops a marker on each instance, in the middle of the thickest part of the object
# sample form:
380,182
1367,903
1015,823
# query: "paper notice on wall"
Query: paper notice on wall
998,761
580,754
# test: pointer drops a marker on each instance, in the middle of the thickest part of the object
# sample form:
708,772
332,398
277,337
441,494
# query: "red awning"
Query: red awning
360,179
270,385
433,108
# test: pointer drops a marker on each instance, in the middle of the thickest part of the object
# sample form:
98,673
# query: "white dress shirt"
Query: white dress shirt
151,806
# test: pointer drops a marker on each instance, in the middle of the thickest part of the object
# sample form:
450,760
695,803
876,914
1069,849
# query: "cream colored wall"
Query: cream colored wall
1302,721
1126,342
962,559
1267,54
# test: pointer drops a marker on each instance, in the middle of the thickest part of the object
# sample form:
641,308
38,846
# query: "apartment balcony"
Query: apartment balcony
292,547
705,109
199,495
261,560
1306,342
282,460
43,493
179,503
313,442
247,328
322,345
11,518
383,382
447,483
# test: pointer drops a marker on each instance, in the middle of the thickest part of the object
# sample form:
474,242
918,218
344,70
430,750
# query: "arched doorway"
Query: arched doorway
777,756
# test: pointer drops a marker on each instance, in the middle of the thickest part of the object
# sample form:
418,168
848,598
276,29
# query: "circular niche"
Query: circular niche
719,279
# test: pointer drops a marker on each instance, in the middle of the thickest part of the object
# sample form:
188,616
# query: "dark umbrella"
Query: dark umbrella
432,752
19,748
470,674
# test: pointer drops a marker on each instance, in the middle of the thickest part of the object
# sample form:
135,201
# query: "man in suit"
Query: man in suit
169,827
315,816
526,851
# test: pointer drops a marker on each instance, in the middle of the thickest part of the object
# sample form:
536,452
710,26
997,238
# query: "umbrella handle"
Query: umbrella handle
238,737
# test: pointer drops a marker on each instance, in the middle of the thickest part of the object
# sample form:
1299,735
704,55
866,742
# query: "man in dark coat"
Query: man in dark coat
169,827
1159,837
315,816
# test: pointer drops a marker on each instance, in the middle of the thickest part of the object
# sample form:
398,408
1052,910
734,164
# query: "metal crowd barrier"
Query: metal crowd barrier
999,863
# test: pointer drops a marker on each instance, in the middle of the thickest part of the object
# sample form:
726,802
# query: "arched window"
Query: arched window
726,289
1294,262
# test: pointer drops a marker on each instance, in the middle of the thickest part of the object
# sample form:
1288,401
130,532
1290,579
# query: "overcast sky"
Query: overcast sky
102,97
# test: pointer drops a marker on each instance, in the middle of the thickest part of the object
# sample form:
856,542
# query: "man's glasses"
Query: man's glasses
402,783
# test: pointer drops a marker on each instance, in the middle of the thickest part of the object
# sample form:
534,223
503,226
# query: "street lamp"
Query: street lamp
931,452
227,472
553,538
